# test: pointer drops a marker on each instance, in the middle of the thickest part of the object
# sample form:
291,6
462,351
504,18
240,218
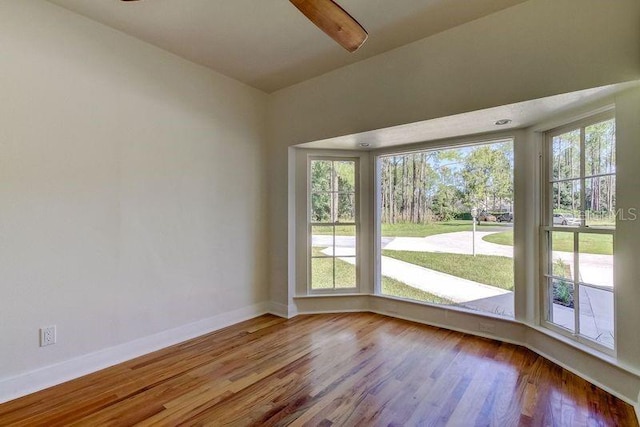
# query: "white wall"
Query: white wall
131,188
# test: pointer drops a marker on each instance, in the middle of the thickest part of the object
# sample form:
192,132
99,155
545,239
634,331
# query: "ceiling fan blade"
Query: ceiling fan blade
334,21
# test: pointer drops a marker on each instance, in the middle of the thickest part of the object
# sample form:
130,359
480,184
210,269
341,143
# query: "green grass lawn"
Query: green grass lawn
504,238
396,288
601,244
407,229
490,270
322,272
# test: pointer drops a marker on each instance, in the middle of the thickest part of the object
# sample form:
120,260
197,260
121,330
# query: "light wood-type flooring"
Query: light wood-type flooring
333,369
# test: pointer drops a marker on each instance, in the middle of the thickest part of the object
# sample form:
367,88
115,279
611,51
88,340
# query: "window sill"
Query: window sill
331,295
448,307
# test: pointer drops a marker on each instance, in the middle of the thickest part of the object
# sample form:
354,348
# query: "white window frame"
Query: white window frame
310,224
547,228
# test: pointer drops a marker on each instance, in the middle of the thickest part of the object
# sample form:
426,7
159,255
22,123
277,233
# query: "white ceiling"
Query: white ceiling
268,44
541,114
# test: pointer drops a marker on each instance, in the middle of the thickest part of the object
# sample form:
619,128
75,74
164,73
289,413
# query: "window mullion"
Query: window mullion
576,235
583,181
549,281
576,281
333,189
334,254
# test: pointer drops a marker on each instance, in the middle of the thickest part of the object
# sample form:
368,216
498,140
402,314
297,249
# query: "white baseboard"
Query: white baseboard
292,310
329,311
283,310
39,379
445,326
280,310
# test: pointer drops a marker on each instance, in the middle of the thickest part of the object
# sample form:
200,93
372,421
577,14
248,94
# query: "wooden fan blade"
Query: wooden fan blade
334,21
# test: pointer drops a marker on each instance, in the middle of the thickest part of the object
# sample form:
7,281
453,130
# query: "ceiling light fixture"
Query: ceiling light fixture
503,122
364,144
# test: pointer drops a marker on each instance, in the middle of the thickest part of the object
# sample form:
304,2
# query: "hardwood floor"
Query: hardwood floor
344,369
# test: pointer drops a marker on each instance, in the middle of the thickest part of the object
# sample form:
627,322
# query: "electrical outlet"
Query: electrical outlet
47,336
489,328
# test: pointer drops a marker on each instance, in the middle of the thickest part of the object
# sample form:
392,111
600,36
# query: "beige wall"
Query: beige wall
131,188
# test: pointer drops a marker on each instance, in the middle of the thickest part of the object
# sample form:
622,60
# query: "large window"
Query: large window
432,250
333,224
580,218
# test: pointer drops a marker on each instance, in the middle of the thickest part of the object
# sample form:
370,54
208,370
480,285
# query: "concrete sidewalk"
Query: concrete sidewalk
463,292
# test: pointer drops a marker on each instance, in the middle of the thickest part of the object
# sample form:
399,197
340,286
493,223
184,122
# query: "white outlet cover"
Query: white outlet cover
47,336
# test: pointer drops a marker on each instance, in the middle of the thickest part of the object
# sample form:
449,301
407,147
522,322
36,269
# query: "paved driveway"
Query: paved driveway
459,242
596,269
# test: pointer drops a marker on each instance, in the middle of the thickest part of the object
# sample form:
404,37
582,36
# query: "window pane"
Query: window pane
583,193
562,255
596,315
346,207
321,207
320,175
562,310
322,240
346,272
566,203
600,148
333,201
427,235
346,175
345,240
600,201
596,259
322,273
566,155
